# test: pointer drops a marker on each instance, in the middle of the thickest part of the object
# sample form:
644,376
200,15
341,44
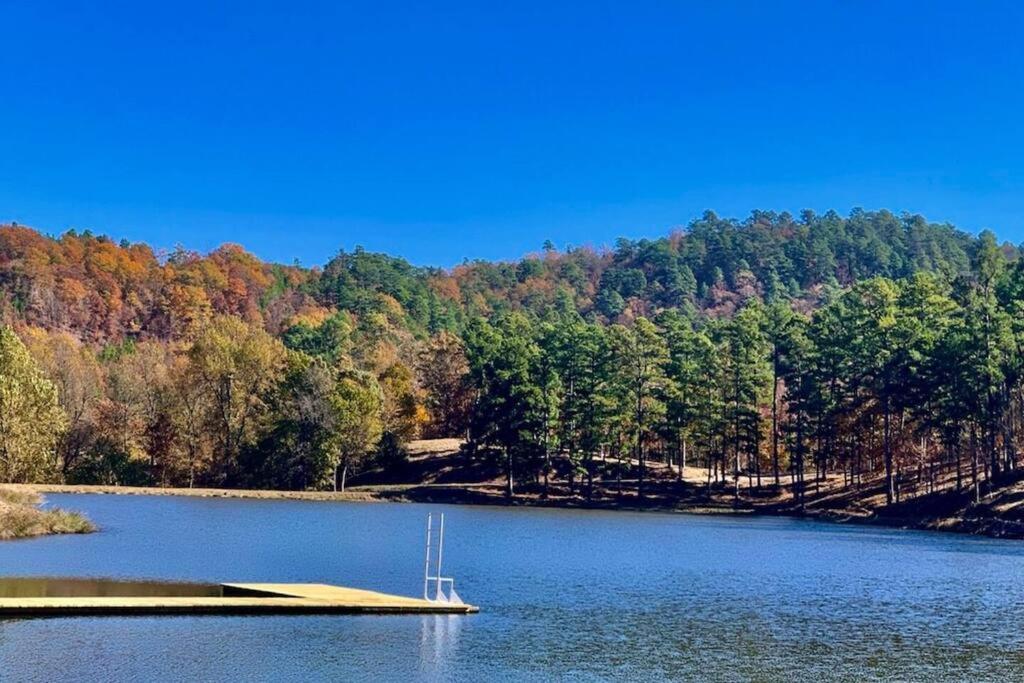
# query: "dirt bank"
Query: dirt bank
437,472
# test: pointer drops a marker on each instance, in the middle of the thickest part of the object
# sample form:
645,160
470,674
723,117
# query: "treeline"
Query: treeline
233,408
104,292
769,348
919,379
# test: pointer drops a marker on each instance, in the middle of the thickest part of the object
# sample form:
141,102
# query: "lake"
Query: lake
565,595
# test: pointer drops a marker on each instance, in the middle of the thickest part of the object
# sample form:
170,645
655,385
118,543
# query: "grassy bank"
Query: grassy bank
20,516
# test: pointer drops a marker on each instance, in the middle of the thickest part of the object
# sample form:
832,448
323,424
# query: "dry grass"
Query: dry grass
20,517
433,446
20,496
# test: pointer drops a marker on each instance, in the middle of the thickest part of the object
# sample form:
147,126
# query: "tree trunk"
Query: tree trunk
590,476
682,464
975,484
775,421
959,468
547,470
757,460
509,479
572,470
711,459
887,448
643,467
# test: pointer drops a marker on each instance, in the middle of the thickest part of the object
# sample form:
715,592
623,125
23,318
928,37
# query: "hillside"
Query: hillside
105,291
861,349
438,471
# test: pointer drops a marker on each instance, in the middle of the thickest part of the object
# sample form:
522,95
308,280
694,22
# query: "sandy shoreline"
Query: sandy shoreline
412,493
352,496
491,495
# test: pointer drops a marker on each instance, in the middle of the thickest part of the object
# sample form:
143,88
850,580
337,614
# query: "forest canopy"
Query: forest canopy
871,342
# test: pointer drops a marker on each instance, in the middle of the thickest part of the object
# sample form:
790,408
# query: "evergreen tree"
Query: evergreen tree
640,354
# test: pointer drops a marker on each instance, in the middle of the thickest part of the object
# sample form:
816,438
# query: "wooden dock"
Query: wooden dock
237,598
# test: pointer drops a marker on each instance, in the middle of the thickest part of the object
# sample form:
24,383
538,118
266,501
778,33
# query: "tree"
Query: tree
779,329
580,358
690,372
748,374
121,420
925,318
402,413
30,416
75,371
154,363
874,316
330,339
640,355
803,401
993,330
192,410
509,412
300,448
238,366
551,390
444,375
358,402
610,303
866,344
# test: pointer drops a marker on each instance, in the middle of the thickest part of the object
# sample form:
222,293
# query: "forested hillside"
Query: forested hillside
775,345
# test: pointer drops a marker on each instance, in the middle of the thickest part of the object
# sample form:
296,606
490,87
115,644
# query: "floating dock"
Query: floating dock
69,596
234,598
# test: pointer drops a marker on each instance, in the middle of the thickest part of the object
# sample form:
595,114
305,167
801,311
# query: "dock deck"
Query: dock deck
236,598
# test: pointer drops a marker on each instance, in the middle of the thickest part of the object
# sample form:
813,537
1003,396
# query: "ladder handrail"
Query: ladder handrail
439,580
440,551
426,563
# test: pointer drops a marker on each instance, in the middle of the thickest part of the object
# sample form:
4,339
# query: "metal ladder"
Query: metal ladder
439,583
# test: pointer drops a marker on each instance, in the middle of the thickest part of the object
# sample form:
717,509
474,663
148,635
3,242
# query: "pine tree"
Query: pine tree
640,355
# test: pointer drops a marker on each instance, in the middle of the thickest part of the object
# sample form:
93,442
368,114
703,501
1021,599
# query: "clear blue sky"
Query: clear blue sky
438,131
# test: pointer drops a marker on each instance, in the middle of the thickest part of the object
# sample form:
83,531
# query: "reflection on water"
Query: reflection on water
53,587
565,595
439,641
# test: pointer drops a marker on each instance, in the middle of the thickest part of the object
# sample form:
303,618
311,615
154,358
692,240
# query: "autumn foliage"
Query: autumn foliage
180,368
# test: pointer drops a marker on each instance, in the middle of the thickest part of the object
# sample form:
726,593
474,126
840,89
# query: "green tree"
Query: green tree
780,326
640,355
581,359
299,448
748,373
549,383
509,410
690,364
331,339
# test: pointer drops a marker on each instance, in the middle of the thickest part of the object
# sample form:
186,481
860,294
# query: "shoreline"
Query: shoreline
992,527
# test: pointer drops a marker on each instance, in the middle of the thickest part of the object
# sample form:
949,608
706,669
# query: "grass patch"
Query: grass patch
20,497
21,518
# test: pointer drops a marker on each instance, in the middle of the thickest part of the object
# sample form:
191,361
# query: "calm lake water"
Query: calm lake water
565,595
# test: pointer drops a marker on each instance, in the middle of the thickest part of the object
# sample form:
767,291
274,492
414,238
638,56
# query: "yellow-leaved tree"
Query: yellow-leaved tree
358,401
31,419
238,366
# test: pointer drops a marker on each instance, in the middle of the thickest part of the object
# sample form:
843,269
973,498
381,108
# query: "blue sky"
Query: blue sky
441,131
